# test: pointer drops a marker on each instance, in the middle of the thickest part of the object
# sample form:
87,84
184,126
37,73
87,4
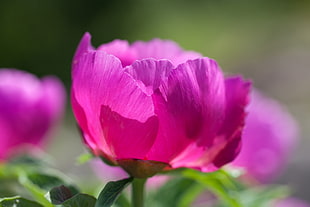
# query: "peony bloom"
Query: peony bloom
151,105
29,107
269,136
292,202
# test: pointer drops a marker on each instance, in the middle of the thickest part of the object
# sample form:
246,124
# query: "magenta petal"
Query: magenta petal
237,97
99,80
127,138
84,46
190,108
121,50
163,49
150,72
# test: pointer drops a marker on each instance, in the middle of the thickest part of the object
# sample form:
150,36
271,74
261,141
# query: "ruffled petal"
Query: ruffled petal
84,46
190,107
121,50
150,72
163,49
237,98
99,80
127,138
226,143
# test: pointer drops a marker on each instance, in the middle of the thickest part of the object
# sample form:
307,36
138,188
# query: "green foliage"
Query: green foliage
111,191
64,196
18,202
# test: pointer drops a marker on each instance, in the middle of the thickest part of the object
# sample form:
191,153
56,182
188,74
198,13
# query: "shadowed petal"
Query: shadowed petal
83,47
237,97
150,72
127,138
99,80
163,49
121,50
190,106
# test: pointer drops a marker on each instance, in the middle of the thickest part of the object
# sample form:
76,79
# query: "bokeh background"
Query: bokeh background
267,41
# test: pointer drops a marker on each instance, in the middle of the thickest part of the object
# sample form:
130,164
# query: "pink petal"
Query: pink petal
127,138
150,72
190,109
226,143
99,80
237,97
121,50
83,47
163,49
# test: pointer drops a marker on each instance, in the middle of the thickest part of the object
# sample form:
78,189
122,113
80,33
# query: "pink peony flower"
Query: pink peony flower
151,105
269,136
29,107
291,202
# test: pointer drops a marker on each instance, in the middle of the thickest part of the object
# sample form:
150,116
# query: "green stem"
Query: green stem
138,192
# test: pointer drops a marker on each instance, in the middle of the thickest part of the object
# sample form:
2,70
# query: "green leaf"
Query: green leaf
18,202
220,184
111,191
83,158
43,181
80,200
26,160
261,196
172,192
38,184
67,198
60,194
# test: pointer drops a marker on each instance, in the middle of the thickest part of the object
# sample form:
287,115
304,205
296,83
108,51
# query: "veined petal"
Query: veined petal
190,107
237,97
227,143
121,50
84,46
99,80
150,72
163,49
127,138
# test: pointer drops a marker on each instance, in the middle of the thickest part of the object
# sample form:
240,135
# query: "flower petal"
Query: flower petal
99,80
84,46
163,49
237,97
127,138
121,50
150,72
190,107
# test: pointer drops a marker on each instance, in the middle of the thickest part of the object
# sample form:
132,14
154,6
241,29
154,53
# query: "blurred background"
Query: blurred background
267,41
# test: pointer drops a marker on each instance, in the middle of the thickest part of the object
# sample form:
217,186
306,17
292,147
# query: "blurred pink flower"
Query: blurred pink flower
292,202
29,107
151,105
270,135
